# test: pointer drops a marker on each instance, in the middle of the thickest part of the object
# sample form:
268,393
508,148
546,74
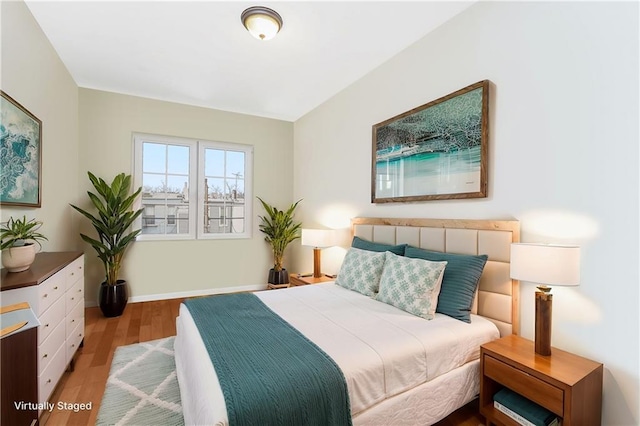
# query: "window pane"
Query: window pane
225,177
217,188
237,189
168,216
152,183
149,224
237,220
235,164
177,185
165,195
213,162
224,217
154,157
178,162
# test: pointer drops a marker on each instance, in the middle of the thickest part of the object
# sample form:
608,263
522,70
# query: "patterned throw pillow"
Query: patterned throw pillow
361,270
412,285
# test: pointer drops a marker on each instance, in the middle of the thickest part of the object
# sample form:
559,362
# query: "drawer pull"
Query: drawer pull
79,334
73,345
73,273
46,325
79,290
45,295
73,298
45,355
49,381
55,288
73,320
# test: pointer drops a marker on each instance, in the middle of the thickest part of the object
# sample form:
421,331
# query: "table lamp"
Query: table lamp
318,239
547,265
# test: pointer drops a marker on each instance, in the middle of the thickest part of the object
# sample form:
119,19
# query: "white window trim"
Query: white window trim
196,175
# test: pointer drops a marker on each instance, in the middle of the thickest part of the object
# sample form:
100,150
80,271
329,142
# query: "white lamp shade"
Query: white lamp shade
546,264
318,237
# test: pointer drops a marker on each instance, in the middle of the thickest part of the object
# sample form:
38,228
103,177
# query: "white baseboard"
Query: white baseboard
184,294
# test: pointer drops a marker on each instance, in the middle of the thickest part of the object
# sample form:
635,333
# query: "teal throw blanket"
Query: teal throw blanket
270,374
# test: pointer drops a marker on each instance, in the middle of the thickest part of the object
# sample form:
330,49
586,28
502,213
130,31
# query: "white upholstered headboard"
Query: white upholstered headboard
498,294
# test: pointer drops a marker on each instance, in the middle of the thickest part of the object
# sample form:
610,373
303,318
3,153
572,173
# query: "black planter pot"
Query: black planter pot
278,277
113,298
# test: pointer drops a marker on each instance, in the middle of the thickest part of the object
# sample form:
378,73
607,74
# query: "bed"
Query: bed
398,368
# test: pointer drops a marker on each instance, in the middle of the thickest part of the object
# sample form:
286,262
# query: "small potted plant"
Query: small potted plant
280,230
112,222
19,237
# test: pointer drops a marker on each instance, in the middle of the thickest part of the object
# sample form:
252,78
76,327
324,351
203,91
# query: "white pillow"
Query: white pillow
411,284
361,271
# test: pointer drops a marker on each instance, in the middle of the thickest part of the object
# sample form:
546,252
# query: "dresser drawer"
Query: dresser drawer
48,380
50,320
50,291
74,295
73,342
74,271
525,384
75,318
50,346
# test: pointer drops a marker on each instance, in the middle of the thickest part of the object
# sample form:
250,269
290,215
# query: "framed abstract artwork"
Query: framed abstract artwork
20,155
436,151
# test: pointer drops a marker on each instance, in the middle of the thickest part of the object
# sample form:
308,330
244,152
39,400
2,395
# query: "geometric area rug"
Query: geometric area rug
142,388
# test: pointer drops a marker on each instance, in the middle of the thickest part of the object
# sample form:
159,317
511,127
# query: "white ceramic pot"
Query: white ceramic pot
18,259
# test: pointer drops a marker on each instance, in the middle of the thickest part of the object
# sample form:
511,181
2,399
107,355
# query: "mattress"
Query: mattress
382,351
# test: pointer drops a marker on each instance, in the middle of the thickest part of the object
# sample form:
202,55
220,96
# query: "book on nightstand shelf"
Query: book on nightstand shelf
523,411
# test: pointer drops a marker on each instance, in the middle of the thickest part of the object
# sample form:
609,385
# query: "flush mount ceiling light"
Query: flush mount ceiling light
262,22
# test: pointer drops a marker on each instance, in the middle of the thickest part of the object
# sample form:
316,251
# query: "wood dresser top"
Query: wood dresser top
45,265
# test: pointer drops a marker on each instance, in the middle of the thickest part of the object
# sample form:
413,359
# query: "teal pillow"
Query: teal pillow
460,281
361,244
411,284
361,271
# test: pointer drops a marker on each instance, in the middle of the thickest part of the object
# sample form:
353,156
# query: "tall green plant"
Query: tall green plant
280,230
112,221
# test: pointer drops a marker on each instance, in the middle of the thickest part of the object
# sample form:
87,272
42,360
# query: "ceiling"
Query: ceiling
198,52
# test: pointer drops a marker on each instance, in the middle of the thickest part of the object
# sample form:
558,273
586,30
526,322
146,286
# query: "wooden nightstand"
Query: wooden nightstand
565,384
276,286
295,280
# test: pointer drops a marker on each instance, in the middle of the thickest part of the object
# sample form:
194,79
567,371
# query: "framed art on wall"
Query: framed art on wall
20,155
436,151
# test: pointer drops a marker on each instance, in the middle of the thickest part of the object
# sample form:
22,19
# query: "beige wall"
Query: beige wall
563,157
163,268
33,75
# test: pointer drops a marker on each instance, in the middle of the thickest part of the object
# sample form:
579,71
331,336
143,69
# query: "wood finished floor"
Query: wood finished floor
140,322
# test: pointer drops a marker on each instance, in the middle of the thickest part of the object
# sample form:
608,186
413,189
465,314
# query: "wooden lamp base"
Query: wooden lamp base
316,263
544,301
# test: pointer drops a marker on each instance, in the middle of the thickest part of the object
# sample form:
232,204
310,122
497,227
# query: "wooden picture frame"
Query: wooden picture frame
436,151
20,155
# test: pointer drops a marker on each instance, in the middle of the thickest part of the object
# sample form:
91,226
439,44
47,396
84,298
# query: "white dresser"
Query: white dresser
54,287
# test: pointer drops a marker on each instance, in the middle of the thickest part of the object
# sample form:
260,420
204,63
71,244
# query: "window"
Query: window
193,189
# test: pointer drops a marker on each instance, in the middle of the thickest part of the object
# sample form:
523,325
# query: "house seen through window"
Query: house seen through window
193,188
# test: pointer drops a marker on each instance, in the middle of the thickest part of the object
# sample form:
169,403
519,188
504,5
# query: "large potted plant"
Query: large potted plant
280,230
18,243
112,222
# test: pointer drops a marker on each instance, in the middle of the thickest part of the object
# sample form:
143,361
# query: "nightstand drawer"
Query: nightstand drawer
525,384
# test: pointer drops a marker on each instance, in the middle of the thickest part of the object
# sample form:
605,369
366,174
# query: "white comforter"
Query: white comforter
381,350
